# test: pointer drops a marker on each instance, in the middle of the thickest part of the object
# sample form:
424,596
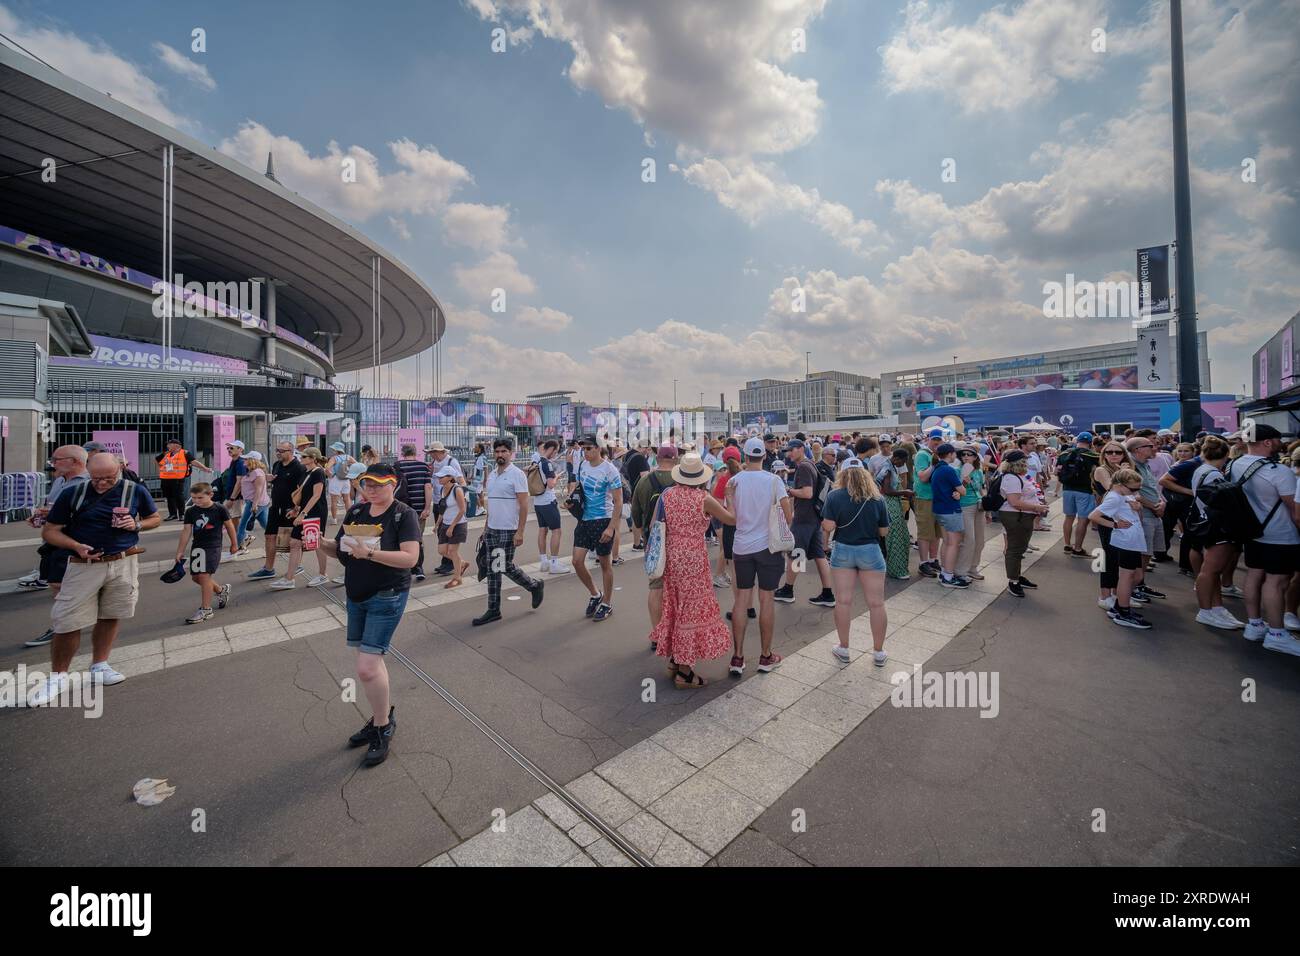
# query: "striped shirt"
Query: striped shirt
415,475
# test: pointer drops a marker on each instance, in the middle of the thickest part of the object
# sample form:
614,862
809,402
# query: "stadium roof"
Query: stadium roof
230,222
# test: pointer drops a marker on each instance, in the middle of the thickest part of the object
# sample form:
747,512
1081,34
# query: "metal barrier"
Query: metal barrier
20,493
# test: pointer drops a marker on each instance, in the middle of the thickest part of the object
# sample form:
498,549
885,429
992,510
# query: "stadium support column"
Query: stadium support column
268,343
1189,369
169,276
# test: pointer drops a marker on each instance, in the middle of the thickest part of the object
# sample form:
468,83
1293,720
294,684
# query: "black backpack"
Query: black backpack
576,503
993,499
656,490
1072,467
1230,511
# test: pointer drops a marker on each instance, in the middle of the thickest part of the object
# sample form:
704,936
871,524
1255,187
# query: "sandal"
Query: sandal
454,582
672,668
689,680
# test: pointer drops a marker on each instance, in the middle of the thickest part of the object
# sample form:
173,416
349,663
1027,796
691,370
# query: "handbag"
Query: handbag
779,536
656,554
481,557
576,503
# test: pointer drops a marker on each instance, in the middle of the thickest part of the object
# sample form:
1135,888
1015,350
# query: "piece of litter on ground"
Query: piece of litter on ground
150,792
618,587
513,597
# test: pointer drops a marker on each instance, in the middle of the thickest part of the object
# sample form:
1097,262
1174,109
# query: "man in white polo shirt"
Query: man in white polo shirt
506,502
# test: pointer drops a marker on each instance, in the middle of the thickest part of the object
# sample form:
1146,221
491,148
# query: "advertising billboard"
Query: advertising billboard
1029,383
763,421
123,353
1124,376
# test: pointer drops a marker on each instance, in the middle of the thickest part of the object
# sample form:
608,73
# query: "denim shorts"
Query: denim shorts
951,522
371,622
1078,504
861,557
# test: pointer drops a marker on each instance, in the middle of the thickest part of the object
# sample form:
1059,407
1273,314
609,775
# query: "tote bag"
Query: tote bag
779,536
656,555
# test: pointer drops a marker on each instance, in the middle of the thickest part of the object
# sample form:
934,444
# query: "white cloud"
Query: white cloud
544,319
498,270
466,320
400,227
1007,58
178,63
708,73
481,227
95,64
423,183
756,192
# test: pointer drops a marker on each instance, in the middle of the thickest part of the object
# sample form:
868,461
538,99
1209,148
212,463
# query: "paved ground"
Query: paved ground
246,718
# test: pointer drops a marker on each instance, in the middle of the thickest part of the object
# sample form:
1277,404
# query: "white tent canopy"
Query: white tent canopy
1037,427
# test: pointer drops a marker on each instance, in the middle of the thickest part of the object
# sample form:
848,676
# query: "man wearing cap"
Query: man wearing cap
772,451
1075,467
750,496
99,522
877,462
287,474
602,489
1274,556
506,502
807,530
928,532
236,470
173,468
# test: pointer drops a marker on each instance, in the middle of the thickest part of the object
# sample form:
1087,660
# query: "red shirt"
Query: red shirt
720,490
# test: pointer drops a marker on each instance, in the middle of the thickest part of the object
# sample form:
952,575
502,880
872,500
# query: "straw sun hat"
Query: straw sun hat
692,471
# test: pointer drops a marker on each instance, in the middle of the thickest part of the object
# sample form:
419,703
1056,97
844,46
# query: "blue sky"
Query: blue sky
776,170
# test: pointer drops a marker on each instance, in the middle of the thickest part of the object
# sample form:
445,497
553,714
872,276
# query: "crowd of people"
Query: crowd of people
852,506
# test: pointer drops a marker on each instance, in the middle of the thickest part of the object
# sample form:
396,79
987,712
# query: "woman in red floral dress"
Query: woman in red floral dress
691,628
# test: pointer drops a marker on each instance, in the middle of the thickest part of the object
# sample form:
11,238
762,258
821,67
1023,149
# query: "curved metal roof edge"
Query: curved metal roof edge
130,114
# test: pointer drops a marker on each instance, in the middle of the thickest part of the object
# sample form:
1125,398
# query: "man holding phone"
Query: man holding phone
99,523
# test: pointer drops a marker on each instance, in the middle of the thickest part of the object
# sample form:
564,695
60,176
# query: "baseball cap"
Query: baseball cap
235,444
1165,431
173,441
851,463
356,470
92,446
175,574
589,439
769,437
381,473
945,449
666,451
794,443
254,456
754,448
883,439
1014,456
731,453
1083,436
1266,432
446,471
934,433
779,465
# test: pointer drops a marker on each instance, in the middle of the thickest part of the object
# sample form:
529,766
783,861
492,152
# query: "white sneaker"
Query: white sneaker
102,673
1291,622
721,581
317,581
879,657
1226,616
199,616
544,564
339,579
1232,591
1283,643
841,653
1106,603
282,584
1213,620
1255,632
557,567
48,691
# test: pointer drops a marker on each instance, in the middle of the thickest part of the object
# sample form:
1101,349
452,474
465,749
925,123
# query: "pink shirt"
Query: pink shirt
253,488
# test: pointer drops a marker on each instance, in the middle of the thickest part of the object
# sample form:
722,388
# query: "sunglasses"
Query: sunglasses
1114,453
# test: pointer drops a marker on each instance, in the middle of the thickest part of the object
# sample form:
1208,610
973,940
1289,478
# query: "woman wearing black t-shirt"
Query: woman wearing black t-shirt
312,503
378,581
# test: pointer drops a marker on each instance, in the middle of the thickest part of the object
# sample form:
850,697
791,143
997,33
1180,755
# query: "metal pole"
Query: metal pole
1189,372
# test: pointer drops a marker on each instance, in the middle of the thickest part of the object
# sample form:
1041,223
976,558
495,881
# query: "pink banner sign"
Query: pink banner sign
223,433
1263,373
411,436
1287,357
126,444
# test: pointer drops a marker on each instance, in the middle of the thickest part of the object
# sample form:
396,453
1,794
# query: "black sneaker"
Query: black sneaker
380,738
954,582
486,618
602,612
592,605
1148,592
638,547
753,614
1076,552
42,640
537,593
784,594
1162,558
929,569
363,735
1026,583
417,573
825,599
1015,588
1129,618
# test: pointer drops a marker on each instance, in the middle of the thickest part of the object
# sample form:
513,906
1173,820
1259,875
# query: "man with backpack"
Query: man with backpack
541,477
807,528
644,504
1272,541
1075,467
